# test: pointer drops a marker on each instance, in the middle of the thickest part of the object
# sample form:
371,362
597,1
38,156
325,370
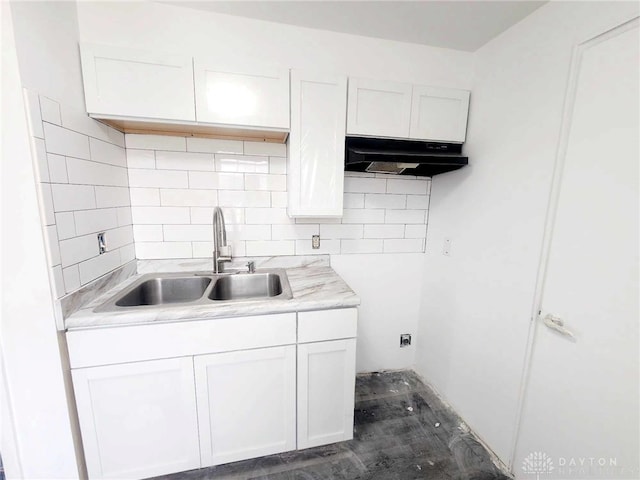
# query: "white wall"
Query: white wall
39,444
477,302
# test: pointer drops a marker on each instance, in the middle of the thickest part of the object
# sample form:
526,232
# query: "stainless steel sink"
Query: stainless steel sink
251,285
166,290
158,291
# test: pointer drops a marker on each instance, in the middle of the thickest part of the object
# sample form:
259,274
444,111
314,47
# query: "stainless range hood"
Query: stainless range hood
402,157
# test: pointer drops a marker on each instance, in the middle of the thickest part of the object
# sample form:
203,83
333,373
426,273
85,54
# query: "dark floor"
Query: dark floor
402,432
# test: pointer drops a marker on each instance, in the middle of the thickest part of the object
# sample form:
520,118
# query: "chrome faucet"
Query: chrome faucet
221,251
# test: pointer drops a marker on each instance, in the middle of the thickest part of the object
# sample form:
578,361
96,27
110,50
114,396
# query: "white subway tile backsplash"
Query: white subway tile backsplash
353,200
418,201
361,246
127,253
277,165
41,160
265,148
51,235
158,178
268,216
50,110
78,249
341,231
124,216
156,142
255,181
248,232
362,215
279,199
147,250
73,197
119,237
66,142
58,281
204,215
415,231
405,216
178,197
383,231
230,198
213,145
241,163
57,168
160,215
372,200
148,233
304,247
141,158
32,102
187,233
184,161
205,249
415,187
294,231
144,196
108,153
404,245
216,180
364,185
66,225
71,276
98,266
112,197
84,172
91,221
270,248
48,216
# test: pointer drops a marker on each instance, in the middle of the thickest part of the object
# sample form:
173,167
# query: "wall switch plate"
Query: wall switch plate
315,241
405,340
102,243
446,247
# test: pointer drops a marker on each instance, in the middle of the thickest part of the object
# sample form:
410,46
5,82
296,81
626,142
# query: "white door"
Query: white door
315,173
233,91
581,411
439,114
378,108
138,419
127,82
326,391
246,403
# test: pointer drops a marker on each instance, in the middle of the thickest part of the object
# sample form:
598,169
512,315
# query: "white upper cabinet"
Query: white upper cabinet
315,174
401,110
241,92
125,82
439,114
379,108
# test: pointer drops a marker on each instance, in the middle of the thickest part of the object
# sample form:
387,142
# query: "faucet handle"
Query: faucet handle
251,267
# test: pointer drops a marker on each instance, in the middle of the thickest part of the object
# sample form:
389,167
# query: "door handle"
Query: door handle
557,324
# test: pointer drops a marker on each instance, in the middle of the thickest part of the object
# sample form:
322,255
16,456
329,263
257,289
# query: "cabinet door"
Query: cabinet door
378,108
237,92
133,83
326,390
315,174
246,403
138,419
439,114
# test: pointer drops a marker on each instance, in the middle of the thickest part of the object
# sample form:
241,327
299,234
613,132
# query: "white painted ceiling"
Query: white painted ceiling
461,25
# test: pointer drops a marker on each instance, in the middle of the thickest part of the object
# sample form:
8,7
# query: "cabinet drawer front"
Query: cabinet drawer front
127,82
246,403
327,325
145,342
125,412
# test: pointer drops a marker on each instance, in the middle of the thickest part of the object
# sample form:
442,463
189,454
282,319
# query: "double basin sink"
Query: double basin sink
155,290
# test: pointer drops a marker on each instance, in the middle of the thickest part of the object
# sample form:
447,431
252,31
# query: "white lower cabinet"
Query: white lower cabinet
246,403
138,419
326,390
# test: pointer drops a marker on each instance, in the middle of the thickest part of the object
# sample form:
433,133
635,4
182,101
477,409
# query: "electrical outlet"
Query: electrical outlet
315,241
405,340
446,247
102,243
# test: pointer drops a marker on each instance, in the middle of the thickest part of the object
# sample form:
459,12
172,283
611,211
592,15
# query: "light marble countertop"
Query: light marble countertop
314,286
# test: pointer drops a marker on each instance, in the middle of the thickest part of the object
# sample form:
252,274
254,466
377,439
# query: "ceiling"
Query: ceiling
460,25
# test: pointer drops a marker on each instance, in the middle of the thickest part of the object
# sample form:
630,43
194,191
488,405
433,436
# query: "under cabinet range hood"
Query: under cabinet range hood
402,157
